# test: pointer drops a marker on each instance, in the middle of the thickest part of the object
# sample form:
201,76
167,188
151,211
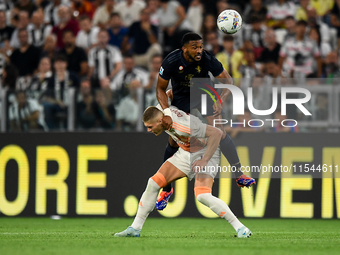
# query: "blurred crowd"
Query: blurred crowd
110,52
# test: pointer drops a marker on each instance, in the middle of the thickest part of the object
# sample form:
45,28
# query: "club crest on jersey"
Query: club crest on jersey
180,68
161,70
198,69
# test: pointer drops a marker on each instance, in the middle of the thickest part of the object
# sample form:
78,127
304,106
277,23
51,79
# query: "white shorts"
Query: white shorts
183,160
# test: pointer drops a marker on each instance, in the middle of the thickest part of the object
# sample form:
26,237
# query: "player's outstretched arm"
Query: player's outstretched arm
163,101
225,78
214,136
161,92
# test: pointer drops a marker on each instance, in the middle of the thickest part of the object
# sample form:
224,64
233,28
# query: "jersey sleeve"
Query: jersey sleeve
165,70
198,128
215,66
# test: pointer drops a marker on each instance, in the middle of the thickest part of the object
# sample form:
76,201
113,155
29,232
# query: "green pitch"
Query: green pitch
167,236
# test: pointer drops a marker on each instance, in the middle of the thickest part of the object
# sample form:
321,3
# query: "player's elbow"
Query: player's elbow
218,133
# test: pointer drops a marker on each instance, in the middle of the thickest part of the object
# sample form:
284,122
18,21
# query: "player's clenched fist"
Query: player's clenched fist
167,122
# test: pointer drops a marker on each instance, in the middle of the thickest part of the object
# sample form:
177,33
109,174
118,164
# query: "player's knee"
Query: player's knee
201,193
159,179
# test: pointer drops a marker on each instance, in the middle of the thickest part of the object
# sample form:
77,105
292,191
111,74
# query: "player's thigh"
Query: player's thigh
170,172
203,180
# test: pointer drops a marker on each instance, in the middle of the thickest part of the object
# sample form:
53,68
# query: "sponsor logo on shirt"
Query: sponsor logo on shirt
161,70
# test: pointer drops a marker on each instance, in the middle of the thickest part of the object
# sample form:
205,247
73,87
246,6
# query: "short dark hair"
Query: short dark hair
255,19
290,17
128,55
22,29
68,31
150,113
84,17
228,38
21,91
191,36
301,23
60,57
114,14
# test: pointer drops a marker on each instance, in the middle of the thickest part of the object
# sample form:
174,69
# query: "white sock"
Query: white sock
146,204
220,208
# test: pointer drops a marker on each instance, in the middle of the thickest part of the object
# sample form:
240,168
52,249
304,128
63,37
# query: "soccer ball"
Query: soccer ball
229,21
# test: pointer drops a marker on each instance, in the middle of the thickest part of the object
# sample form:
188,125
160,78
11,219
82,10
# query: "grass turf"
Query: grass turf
167,236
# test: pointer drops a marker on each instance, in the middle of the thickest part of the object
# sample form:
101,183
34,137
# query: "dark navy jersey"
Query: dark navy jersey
180,71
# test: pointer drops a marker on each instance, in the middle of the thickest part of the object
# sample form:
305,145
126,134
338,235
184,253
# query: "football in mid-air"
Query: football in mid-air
229,21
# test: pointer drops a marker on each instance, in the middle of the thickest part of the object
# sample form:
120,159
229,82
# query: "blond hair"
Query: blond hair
151,113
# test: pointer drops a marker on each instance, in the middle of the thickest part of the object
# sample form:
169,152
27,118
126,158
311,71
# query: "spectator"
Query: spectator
278,11
86,117
248,68
116,31
105,111
104,60
128,111
315,22
331,69
209,25
290,24
144,37
226,55
24,5
87,36
299,53
51,13
103,13
301,12
153,6
49,48
272,50
41,80
255,33
39,31
55,99
315,35
65,23
255,8
322,109
9,77
23,23
322,7
76,56
212,43
26,57
25,114
238,60
195,15
94,113
156,63
271,69
150,88
5,30
129,76
335,19
129,11
82,7
173,24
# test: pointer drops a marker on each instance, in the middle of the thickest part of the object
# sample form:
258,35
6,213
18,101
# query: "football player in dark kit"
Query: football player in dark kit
180,66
